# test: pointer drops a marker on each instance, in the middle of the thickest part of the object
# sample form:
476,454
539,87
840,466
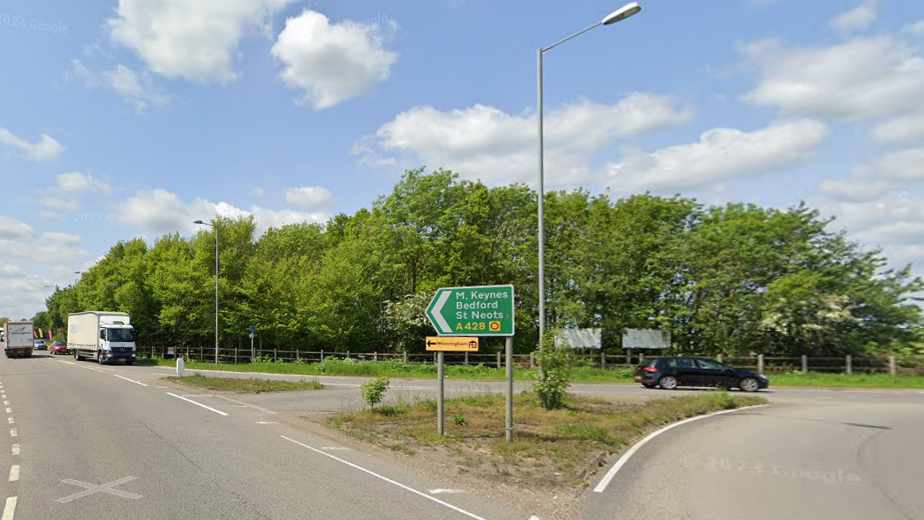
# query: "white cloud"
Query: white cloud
79,183
915,28
308,196
23,293
47,248
903,166
900,130
852,190
487,143
137,89
330,63
857,19
197,40
11,228
858,79
46,149
896,219
164,212
721,153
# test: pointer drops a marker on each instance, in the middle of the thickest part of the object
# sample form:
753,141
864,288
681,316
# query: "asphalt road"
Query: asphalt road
814,456
89,442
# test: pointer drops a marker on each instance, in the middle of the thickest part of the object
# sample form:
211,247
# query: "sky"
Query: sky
133,118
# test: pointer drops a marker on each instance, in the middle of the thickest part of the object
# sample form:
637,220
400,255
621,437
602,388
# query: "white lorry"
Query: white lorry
17,339
104,336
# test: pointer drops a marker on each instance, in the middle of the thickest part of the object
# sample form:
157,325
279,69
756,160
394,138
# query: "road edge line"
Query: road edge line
219,412
611,474
386,479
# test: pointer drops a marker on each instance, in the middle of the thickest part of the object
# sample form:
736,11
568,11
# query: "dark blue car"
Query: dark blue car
670,373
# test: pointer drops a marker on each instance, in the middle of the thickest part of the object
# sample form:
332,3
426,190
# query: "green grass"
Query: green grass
252,385
551,447
846,381
397,369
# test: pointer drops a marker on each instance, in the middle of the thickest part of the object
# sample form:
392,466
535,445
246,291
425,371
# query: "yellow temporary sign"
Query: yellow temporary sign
452,344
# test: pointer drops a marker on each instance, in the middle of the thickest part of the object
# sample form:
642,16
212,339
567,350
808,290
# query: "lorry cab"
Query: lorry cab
107,337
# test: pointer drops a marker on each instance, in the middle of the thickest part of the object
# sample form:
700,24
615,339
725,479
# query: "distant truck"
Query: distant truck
107,337
17,339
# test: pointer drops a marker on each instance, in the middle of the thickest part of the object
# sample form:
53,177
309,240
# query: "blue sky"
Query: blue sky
132,118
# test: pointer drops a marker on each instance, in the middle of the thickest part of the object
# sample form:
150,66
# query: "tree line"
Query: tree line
733,279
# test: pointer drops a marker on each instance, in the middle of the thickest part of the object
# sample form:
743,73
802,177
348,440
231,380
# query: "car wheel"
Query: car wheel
76,355
669,383
749,384
99,357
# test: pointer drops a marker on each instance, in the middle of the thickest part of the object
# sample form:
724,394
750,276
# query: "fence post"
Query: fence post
498,360
274,354
760,363
405,357
848,364
187,351
804,364
235,355
200,353
466,359
720,358
375,356
298,355
532,360
893,368
322,356
602,360
348,354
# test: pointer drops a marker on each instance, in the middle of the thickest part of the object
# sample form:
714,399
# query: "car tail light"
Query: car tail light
650,369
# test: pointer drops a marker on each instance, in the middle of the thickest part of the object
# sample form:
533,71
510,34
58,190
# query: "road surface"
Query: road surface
97,443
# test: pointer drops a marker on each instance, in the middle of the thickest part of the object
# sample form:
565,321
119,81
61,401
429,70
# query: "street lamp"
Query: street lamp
215,227
616,16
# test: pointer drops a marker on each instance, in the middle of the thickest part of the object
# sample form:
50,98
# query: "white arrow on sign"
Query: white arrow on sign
438,316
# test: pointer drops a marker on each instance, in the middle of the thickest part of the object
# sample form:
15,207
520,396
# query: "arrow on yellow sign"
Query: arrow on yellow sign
452,344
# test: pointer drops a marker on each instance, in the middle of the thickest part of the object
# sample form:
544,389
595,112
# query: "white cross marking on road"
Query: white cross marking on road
93,488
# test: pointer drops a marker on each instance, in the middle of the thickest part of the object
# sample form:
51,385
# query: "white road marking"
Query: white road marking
14,472
16,449
130,380
198,395
336,448
69,362
9,410
6,403
267,422
10,419
601,486
445,491
94,369
219,412
10,509
386,479
14,433
160,387
93,488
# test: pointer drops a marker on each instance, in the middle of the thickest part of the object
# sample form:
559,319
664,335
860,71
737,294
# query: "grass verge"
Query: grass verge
252,385
552,448
397,369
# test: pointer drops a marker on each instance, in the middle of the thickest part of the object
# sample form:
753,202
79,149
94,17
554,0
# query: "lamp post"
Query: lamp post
616,16
215,227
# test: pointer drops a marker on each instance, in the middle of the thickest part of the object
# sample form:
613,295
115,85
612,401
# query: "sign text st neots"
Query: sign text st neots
473,311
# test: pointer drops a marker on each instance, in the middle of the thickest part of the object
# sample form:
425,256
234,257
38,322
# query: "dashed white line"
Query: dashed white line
601,486
386,479
9,410
441,491
267,422
335,448
130,380
14,472
15,450
199,395
10,509
14,433
219,412
6,403
10,419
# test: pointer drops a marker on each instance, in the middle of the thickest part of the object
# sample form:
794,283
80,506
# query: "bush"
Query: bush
374,391
554,372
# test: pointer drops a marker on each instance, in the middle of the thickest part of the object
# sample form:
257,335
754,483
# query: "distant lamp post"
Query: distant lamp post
215,227
616,16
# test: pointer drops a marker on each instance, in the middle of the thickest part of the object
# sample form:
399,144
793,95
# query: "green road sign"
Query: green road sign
472,311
